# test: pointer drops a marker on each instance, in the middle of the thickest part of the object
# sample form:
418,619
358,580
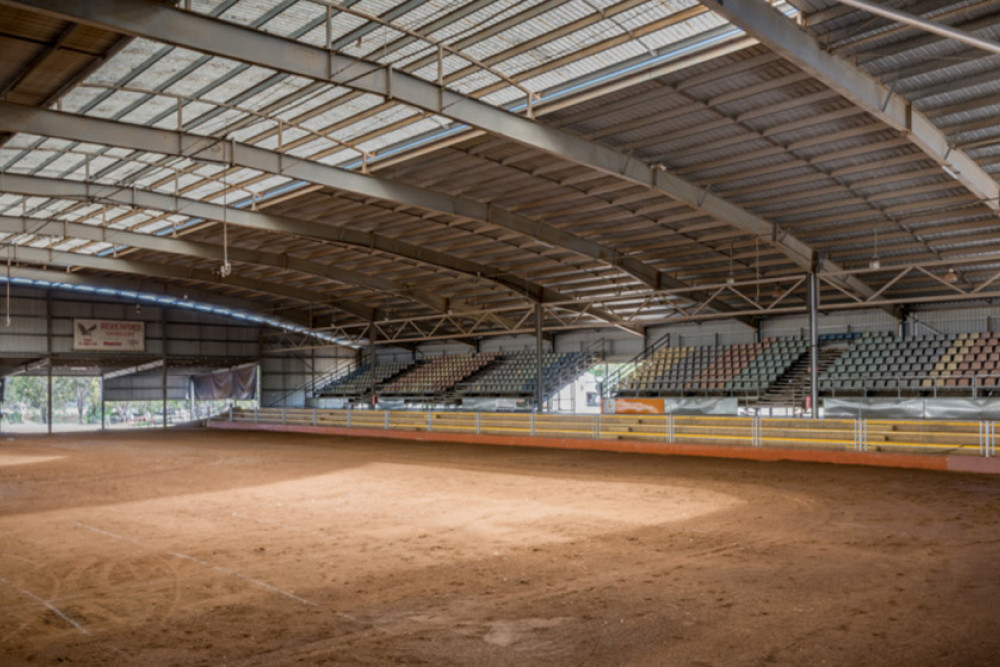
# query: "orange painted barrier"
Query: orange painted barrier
878,459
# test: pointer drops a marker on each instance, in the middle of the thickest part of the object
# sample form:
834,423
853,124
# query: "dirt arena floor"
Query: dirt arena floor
225,548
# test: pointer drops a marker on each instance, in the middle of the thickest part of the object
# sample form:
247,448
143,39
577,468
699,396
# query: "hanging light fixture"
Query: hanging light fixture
951,277
875,263
731,279
226,269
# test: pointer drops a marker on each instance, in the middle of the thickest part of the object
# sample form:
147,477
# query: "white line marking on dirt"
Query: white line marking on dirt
105,532
217,568
47,605
236,573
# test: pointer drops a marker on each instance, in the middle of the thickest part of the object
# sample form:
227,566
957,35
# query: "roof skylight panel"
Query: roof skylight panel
149,112
489,15
269,183
88,212
310,148
389,139
294,19
450,64
474,81
55,207
340,157
155,226
45,163
126,219
9,201
220,124
129,63
246,12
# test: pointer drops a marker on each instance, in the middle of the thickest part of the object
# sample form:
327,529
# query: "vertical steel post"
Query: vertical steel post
539,390
371,360
814,343
48,343
103,421
163,408
49,393
192,405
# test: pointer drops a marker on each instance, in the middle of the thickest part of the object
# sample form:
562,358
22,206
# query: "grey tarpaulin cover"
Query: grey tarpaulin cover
238,384
913,408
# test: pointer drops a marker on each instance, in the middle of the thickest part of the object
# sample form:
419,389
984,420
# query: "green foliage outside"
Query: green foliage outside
73,398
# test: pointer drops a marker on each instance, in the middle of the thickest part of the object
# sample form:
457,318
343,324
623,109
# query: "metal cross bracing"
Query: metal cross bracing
327,65
738,122
289,225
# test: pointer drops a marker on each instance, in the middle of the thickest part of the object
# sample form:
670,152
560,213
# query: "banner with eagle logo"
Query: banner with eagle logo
117,335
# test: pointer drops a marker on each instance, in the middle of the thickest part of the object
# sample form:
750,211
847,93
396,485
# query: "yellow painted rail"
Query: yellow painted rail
944,437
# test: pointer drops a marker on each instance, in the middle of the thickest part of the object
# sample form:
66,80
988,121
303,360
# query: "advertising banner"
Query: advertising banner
638,406
109,335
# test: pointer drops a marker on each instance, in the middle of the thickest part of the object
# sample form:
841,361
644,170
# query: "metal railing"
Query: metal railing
928,436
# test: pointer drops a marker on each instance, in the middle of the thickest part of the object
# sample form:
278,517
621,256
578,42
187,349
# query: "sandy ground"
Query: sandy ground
209,548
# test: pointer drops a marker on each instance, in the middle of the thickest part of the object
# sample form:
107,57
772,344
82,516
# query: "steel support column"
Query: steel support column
539,367
372,360
164,406
48,347
48,392
814,343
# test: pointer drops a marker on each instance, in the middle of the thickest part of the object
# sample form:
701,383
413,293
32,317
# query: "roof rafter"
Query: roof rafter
208,35
73,127
202,250
18,118
796,45
46,257
52,187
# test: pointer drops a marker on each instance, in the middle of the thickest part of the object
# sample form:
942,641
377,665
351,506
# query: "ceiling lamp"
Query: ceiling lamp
951,277
875,263
731,279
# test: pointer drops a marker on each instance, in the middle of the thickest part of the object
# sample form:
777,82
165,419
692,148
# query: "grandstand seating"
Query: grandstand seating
678,375
359,381
734,369
871,363
437,375
727,364
513,373
881,363
765,369
969,356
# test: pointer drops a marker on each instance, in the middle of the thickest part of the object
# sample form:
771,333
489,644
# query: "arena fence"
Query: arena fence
971,438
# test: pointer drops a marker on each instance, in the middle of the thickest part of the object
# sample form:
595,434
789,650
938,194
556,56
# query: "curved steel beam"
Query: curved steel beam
268,222
65,229
19,118
161,23
46,257
177,299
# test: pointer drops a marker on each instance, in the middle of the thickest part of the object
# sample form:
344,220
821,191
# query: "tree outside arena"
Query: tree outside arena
75,399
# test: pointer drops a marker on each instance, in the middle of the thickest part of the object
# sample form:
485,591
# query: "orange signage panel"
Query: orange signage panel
638,406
